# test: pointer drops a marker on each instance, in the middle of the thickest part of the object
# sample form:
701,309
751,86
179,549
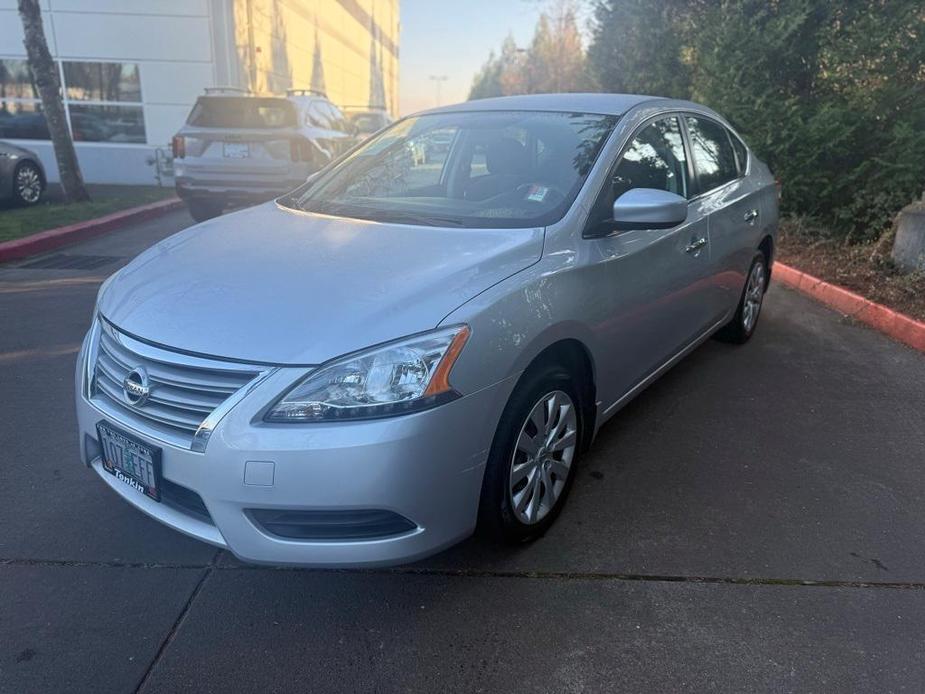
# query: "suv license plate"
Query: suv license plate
131,461
236,150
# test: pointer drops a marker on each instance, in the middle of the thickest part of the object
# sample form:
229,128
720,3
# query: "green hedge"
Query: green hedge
830,95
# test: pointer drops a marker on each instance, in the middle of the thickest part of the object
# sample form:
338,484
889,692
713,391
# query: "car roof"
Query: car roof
609,104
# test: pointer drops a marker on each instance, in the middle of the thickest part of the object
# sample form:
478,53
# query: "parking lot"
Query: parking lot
755,521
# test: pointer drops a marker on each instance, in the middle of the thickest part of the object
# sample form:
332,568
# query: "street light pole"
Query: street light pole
437,79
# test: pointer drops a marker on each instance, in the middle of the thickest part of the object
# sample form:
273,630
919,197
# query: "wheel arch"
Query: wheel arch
574,355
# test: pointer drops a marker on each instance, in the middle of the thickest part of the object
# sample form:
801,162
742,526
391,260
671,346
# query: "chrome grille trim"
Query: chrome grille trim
189,394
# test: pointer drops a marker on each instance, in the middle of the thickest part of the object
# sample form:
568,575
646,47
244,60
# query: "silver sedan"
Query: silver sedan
22,177
403,349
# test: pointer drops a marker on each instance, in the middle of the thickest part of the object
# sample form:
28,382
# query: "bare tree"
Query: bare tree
45,74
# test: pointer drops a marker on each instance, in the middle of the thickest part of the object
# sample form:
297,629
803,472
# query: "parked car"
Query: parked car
240,149
22,176
366,369
367,120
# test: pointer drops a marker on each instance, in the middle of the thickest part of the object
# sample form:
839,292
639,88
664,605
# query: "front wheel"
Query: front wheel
532,461
742,326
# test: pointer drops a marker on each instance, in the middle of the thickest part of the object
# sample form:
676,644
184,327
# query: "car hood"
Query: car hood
273,285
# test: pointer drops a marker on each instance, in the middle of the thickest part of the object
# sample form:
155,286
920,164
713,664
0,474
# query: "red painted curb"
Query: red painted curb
72,233
897,325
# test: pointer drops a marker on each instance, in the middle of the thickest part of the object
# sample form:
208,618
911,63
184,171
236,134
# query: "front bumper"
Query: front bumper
426,467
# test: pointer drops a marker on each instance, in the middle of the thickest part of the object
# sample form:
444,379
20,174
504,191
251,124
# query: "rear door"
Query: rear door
656,279
731,204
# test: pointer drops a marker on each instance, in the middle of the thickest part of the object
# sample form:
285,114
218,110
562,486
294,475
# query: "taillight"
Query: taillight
780,188
178,145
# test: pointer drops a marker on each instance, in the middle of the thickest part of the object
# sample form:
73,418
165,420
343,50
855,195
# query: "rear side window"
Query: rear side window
741,153
241,112
338,122
711,149
318,115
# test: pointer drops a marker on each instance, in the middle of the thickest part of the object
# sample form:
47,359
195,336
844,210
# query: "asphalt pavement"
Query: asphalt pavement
752,522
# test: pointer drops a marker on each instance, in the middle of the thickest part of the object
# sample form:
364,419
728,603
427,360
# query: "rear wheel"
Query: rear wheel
532,461
743,324
27,183
201,210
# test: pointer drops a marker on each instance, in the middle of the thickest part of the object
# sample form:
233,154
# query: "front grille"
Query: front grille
183,390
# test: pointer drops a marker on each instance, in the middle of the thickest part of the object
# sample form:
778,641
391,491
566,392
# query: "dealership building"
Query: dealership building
132,69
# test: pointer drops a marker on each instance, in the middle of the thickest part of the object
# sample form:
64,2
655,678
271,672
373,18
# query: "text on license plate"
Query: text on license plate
236,150
130,461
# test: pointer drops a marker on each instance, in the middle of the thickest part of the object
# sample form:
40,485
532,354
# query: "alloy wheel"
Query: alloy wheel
543,456
28,183
754,295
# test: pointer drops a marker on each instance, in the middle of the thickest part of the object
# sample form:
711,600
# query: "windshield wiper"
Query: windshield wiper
397,217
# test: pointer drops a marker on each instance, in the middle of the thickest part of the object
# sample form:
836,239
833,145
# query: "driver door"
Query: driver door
656,280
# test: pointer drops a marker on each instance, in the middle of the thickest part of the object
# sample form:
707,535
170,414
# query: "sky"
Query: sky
454,38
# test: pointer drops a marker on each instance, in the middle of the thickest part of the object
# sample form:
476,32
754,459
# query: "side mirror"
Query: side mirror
648,208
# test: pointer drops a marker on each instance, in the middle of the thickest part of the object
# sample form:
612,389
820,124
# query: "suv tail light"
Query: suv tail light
178,145
780,188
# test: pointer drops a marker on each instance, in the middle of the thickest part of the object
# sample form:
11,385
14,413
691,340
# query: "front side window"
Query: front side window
468,169
654,159
712,152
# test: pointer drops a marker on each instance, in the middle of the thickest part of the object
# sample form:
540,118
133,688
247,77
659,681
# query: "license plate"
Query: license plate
129,460
236,150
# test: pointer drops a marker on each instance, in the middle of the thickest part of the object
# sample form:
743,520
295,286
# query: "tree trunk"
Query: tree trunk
45,74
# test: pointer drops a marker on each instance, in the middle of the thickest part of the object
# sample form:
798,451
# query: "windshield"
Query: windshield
468,169
241,112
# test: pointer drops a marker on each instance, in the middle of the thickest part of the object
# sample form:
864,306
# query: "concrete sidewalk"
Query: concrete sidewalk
753,522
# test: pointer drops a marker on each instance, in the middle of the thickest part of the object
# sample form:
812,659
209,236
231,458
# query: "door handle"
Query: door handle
696,245
751,215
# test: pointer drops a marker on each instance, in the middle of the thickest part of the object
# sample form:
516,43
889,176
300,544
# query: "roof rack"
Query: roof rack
227,89
305,92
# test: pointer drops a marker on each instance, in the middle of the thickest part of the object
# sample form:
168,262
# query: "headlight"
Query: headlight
400,377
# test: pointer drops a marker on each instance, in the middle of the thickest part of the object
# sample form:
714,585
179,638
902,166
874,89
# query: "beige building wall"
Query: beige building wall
347,48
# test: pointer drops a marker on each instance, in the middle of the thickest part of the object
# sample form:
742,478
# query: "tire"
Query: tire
505,509
202,210
743,324
28,184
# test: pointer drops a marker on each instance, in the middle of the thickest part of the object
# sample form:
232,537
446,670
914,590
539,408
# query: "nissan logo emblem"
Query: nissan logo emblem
136,387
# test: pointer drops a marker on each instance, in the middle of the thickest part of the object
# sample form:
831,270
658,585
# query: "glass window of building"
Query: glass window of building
102,100
99,97
21,116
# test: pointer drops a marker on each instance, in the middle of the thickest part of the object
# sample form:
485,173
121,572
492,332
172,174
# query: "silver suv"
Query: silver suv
241,149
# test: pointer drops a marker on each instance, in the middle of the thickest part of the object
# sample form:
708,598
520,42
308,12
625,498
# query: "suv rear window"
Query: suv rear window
241,112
